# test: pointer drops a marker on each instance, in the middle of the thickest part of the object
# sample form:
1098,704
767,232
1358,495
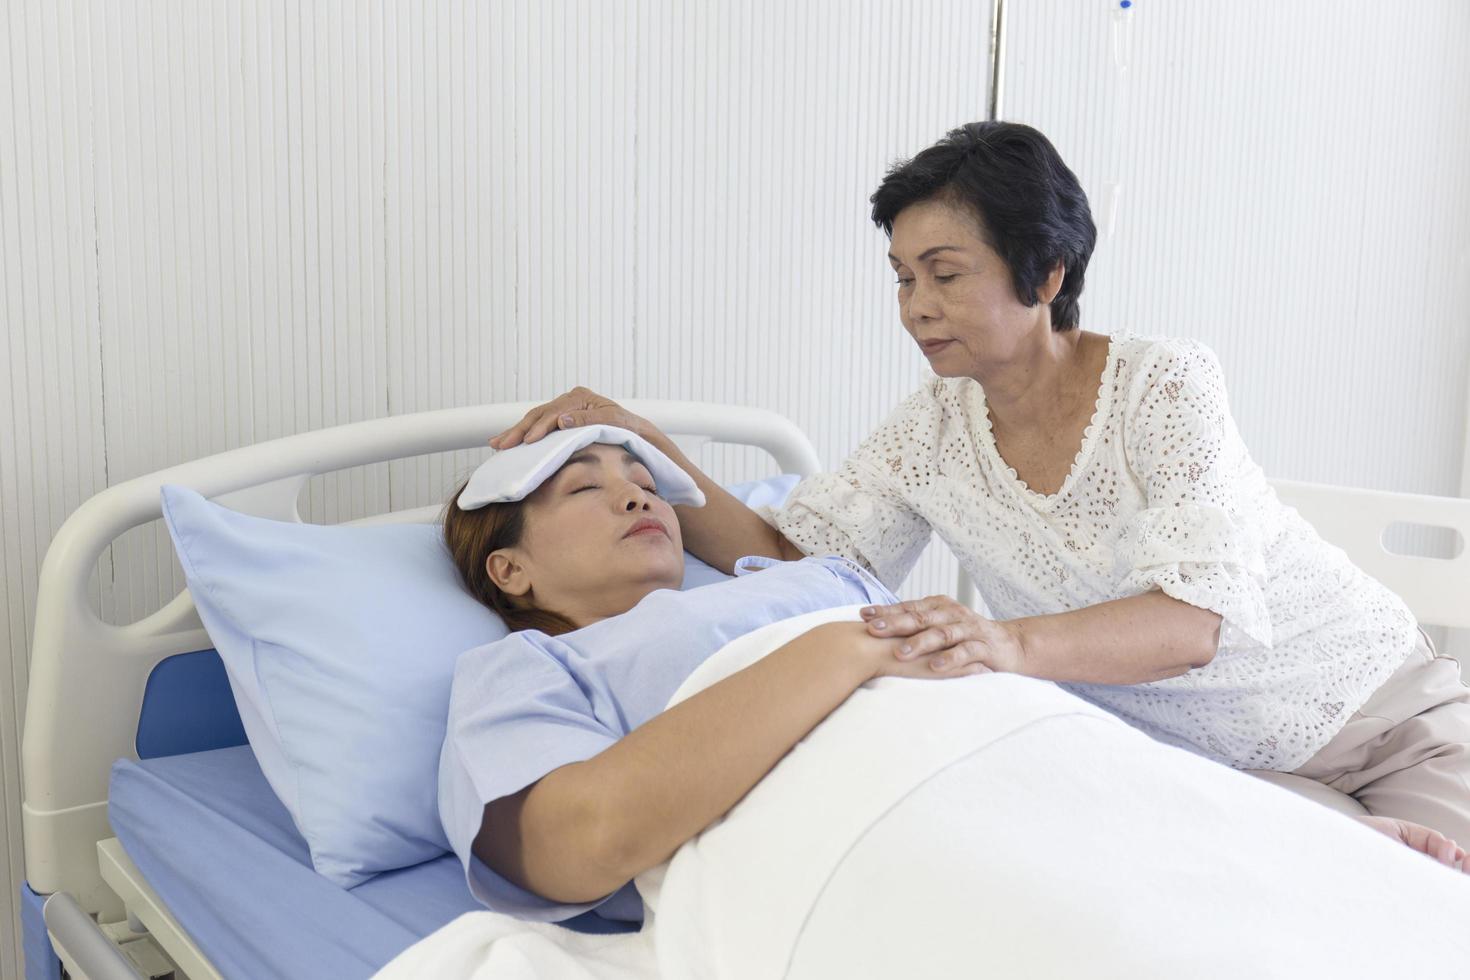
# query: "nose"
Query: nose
634,498
923,301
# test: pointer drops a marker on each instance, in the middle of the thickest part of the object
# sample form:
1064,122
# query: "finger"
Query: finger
592,416
543,426
1461,859
958,657
1449,852
921,669
913,617
871,613
908,605
1432,843
544,418
512,435
1445,851
935,639
968,670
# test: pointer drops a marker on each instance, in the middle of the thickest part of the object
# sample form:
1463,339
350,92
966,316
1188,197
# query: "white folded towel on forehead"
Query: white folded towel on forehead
512,474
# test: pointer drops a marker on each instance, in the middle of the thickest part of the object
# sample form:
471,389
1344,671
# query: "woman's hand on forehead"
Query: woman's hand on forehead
580,406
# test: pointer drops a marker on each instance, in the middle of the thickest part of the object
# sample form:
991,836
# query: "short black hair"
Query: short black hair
1031,208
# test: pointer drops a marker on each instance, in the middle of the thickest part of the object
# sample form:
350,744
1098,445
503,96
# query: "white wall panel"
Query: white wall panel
762,130
510,213
51,452
240,279
1293,193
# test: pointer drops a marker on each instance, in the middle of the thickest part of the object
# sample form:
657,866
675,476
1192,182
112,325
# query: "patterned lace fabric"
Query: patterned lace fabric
1162,495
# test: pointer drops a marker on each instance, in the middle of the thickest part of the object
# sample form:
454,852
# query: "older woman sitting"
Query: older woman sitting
1097,491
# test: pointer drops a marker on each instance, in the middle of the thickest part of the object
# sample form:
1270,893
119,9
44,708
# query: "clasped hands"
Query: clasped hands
957,635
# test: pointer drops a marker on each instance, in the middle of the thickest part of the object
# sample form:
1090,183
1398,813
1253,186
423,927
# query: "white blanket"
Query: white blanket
996,826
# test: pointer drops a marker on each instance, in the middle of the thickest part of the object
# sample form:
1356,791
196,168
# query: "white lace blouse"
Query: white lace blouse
1162,495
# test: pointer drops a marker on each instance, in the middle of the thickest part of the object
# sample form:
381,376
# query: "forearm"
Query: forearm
1142,638
724,530
675,775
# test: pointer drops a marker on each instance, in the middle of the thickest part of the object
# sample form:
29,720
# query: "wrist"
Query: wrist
1024,643
656,437
845,649
660,441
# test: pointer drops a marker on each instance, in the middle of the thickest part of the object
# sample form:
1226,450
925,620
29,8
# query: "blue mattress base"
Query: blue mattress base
40,958
218,847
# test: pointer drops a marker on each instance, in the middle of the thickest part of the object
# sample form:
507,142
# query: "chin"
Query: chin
951,362
946,369
671,576
663,570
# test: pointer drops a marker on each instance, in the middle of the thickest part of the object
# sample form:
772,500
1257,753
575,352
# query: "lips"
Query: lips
933,346
647,525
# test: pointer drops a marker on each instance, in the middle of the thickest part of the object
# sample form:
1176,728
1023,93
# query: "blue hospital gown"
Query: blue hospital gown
530,703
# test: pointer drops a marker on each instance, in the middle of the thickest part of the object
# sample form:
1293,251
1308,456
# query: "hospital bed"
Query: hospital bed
181,860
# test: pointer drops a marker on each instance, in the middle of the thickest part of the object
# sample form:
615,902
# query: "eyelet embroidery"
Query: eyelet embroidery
1163,494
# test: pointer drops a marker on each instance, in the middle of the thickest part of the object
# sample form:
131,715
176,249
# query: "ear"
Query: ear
508,574
1052,284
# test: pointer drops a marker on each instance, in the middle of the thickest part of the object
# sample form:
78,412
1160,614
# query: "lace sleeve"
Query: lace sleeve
1192,540
861,512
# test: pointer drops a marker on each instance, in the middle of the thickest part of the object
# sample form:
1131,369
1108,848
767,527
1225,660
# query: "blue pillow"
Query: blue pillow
340,644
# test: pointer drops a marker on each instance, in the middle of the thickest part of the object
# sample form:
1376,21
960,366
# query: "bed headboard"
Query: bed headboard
87,677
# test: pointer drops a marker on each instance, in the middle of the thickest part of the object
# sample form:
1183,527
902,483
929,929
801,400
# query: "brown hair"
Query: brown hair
471,536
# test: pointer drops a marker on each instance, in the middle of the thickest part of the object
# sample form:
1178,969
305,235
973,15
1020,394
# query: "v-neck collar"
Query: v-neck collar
1103,405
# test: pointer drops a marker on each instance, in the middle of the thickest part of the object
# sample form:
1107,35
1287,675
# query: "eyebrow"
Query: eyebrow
928,252
588,457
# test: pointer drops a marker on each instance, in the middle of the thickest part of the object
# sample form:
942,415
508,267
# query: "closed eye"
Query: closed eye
598,486
949,278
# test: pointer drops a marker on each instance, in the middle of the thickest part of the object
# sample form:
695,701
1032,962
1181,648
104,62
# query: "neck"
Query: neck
1039,384
584,610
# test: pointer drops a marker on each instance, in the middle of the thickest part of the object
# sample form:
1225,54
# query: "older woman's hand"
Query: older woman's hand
579,406
955,635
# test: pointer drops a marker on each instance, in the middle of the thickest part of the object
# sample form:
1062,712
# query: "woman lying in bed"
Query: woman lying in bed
562,777
561,772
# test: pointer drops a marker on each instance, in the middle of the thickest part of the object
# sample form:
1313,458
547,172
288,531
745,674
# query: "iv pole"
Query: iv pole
997,55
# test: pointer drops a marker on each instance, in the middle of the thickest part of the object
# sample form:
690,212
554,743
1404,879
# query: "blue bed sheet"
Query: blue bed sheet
221,851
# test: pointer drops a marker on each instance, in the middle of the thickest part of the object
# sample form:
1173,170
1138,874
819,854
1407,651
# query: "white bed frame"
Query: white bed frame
88,677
